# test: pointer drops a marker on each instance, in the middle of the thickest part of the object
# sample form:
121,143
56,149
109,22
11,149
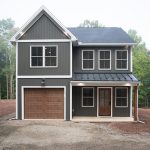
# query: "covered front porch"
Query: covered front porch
104,101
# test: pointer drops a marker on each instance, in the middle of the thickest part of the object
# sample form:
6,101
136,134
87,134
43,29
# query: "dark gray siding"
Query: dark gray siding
48,82
77,60
121,112
63,60
44,28
78,110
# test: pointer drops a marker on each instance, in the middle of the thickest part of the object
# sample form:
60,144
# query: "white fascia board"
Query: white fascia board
64,29
103,83
43,40
106,44
48,77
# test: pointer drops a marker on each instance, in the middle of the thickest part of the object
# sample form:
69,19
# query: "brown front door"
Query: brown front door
104,101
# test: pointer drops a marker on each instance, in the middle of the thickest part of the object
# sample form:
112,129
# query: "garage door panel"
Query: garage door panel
44,103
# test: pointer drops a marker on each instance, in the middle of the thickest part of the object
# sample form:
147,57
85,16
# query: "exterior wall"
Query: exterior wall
78,110
44,28
48,82
77,60
92,111
121,112
63,60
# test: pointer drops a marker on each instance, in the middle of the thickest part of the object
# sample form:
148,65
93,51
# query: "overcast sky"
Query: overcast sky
128,14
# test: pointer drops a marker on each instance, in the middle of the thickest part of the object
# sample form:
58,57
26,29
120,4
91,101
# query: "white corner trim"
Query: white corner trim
70,101
71,58
103,59
22,93
131,60
121,97
98,99
16,80
44,40
43,76
62,27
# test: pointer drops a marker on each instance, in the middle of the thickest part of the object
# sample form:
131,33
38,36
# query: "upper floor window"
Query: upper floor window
121,59
43,56
121,97
104,59
87,59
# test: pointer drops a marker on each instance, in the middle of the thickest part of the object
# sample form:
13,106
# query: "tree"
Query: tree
91,24
7,59
141,66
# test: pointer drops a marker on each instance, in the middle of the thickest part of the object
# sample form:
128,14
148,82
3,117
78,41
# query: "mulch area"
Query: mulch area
7,107
135,127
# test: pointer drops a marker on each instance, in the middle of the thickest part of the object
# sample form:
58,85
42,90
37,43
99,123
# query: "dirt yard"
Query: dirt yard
67,135
7,107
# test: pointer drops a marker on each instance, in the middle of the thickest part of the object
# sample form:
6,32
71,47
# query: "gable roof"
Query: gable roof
35,17
101,36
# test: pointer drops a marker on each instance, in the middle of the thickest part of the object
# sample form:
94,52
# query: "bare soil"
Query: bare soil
7,107
67,135
135,127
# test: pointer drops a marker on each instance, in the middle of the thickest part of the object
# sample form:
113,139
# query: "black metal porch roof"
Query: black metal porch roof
104,77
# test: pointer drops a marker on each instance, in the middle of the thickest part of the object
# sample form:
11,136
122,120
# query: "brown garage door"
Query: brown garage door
44,103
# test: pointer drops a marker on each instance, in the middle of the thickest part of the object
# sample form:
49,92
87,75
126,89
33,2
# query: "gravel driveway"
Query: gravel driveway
62,135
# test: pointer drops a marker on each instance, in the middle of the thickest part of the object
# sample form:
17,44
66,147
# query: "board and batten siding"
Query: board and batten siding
48,82
77,60
63,60
43,28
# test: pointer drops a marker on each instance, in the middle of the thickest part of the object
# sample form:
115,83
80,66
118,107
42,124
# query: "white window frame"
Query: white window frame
120,59
121,97
103,59
43,56
88,59
88,97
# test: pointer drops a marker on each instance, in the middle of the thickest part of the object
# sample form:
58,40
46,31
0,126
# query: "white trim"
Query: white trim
43,40
89,59
98,100
106,44
47,76
23,87
103,83
16,80
87,97
131,92
43,56
71,59
131,60
20,32
120,59
121,97
104,59
70,101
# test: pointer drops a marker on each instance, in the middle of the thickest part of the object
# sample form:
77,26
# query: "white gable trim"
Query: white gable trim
64,29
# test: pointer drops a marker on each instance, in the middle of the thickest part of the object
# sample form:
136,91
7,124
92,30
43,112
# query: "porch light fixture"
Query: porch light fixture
43,82
80,84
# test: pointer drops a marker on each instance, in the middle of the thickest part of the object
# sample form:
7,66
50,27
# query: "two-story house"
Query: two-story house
70,73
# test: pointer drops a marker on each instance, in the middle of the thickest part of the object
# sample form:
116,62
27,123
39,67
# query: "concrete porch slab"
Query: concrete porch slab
102,119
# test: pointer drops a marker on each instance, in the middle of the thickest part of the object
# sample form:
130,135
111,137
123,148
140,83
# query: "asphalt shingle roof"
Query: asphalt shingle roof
104,77
101,35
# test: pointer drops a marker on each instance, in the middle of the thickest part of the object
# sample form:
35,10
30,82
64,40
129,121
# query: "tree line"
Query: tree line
141,61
